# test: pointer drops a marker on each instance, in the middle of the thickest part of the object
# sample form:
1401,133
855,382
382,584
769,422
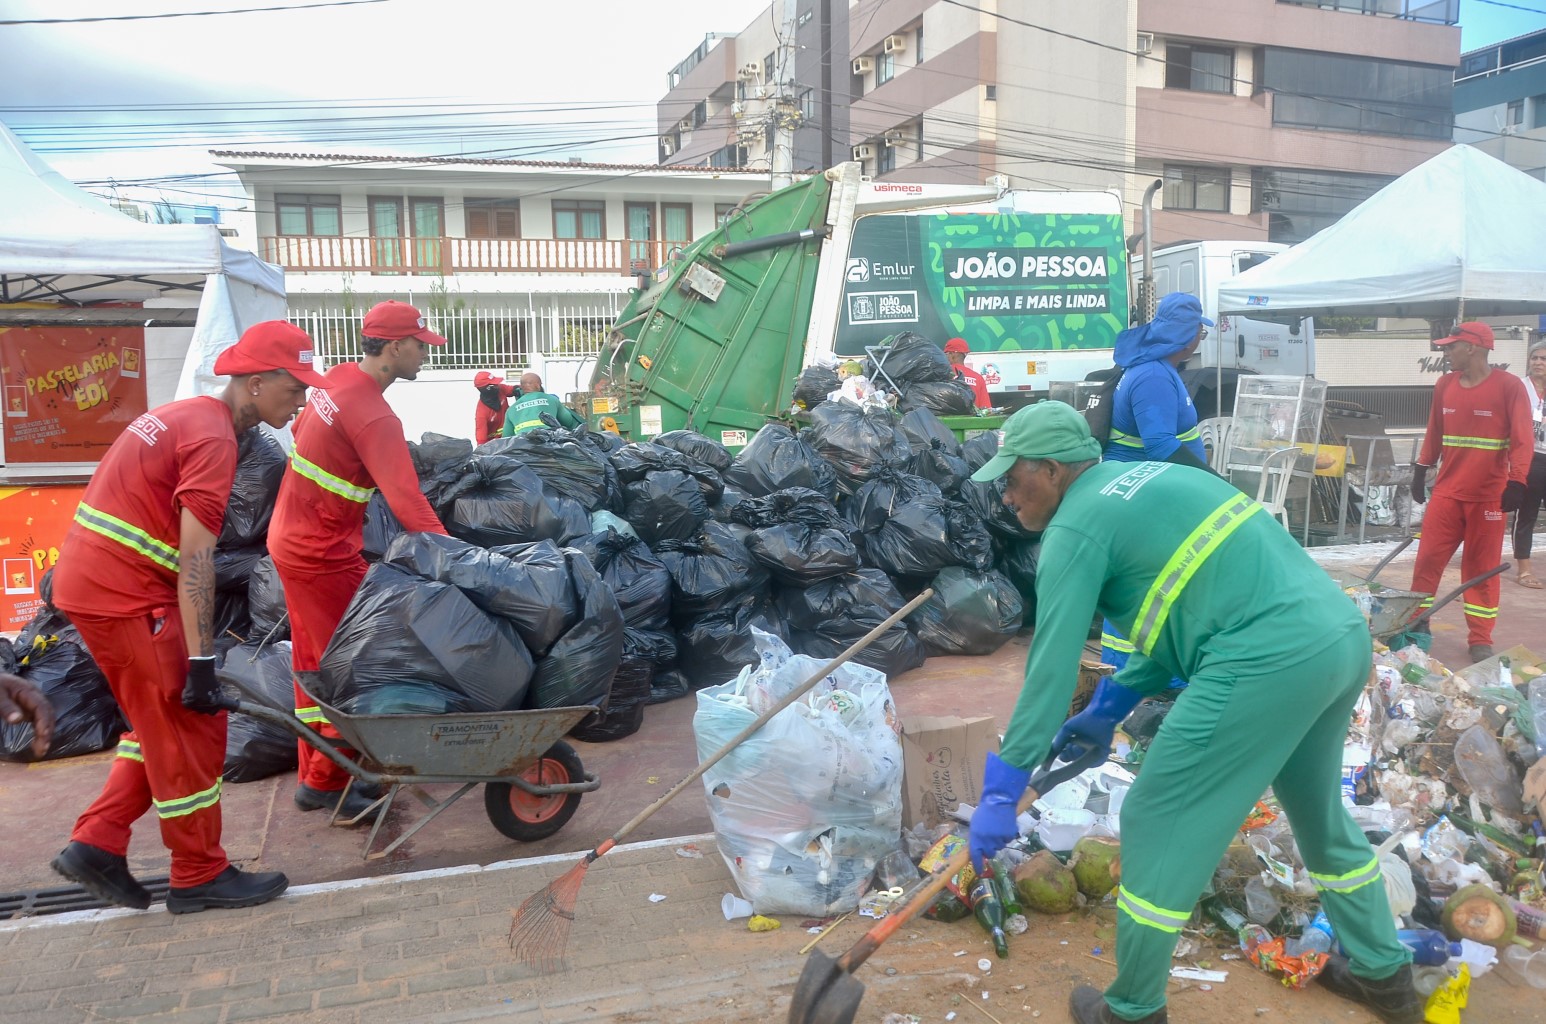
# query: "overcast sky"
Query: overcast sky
253,76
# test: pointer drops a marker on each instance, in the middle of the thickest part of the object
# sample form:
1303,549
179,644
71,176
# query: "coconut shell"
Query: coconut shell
1095,864
1045,884
1479,914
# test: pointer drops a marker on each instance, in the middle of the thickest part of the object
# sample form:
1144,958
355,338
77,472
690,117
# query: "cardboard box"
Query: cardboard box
942,759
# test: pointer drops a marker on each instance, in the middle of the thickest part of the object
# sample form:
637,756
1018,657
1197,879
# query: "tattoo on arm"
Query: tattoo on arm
198,584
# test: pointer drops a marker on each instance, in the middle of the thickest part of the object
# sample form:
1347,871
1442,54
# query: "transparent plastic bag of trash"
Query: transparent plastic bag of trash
806,807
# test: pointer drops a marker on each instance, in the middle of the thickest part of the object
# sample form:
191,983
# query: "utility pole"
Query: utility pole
785,107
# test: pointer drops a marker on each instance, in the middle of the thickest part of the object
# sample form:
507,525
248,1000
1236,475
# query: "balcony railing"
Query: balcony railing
445,256
1438,12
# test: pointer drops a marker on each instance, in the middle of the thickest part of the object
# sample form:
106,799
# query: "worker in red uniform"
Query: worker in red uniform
348,443
1480,434
493,402
136,576
955,351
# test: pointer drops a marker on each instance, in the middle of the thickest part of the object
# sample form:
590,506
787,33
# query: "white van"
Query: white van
1236,342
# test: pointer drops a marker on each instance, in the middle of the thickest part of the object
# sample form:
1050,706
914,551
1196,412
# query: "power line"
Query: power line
1512,7
183,14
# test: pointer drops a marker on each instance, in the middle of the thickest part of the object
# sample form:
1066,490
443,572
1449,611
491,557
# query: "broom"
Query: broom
539,928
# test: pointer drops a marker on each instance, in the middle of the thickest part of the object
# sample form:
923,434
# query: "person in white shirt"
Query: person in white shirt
1535,486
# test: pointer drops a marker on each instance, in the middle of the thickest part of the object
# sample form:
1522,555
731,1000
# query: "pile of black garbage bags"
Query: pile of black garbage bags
583,570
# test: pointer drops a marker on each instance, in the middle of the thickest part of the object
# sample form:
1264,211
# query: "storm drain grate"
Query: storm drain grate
66,899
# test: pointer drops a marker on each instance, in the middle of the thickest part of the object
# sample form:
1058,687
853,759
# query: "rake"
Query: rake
539,928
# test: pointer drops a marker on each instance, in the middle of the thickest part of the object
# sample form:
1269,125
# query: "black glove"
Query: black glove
1420,484
201,692
489,395
1514,496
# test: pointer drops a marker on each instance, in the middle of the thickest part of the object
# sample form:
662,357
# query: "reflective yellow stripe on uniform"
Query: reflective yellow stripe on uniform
527,425
130,749
1126,440
1347,883
328,482
1116,643
1480,611
311,716
129,535
1191,435
188,804
1188,558
1491,444
1147,914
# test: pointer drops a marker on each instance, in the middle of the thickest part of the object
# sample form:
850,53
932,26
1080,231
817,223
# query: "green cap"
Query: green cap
1046,430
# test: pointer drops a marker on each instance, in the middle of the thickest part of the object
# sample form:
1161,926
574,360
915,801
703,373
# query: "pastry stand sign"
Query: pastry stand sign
69,391
33,522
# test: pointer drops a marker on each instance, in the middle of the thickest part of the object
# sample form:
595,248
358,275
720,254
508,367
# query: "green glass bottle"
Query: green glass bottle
990,914
1008,897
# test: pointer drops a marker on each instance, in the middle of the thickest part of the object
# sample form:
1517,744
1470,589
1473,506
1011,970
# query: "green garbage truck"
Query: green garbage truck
1035,282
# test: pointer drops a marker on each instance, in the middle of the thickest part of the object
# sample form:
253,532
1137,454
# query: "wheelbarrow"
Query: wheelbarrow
1395,616
532,780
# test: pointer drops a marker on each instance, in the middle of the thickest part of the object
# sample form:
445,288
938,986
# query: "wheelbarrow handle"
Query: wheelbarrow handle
1045,780
293,725
1389,558
1447,598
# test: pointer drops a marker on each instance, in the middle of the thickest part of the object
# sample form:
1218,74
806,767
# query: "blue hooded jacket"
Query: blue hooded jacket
1151,413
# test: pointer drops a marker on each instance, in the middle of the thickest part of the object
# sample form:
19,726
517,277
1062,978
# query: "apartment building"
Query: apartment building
1266,119
1500,101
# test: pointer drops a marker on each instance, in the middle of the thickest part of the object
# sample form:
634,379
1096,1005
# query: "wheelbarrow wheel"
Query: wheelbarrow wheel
527,818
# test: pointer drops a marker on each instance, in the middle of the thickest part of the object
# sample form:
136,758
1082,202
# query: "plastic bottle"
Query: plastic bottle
1532,920
1537,697
990,914
1317,937
1248,934
1429,948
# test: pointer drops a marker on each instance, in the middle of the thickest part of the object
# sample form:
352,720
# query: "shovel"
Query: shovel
827,992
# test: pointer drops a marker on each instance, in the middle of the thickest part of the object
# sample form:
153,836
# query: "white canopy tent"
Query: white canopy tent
1460,236
64,247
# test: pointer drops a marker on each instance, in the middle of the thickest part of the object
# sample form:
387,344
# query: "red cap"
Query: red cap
272,345
392,321
1474,331
483,379
957,345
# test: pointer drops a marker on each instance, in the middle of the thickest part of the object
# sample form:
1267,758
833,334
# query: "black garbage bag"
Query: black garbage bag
921,427
986,500
604,441
969,537
724,509
408,699
260,465
578,668
402,628
698,447
798,555
863,591
381,527
776,459
709,573
254,749
669,684
1017,561
942,397
438,461
879,498
970,613
665,505
8,662
910,358
936,464
234,565
266,602
86,717
498,501
638,579
233,621
715,647
791,505
856,441
814,385
574,521
624,713
635,462
567,466
527,585
917,541
978,450
895,651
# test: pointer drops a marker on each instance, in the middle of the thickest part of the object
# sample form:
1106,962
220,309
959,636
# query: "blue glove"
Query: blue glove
1097,723
993,823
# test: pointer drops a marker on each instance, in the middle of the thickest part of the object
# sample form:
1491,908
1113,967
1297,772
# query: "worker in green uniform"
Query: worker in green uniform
1211,590
527,411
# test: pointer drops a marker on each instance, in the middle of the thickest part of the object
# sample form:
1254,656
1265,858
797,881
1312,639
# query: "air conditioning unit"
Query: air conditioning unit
894,44
1509,129
737,109
1145,42
895,137
752,70
667,145
685,125
864,65
865,152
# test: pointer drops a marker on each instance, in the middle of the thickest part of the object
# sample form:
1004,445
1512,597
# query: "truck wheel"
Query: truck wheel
526,818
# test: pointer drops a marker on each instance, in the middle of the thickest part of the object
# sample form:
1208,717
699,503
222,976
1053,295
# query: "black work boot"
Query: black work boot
1088,1006
104,875
353,805
1393,999
231,888
1480,652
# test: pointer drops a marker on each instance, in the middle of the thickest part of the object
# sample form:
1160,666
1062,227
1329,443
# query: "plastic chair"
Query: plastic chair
1277,472
1215,434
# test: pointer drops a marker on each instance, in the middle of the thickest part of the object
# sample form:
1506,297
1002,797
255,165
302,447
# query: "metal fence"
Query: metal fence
504,333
